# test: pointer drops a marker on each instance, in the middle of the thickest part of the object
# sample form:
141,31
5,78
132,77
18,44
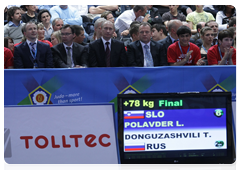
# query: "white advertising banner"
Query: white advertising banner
54,134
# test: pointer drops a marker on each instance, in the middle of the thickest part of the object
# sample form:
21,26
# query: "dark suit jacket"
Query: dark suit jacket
136,57
199,42
166,42
195,37
153,13
24,59
79,55
192,41
97,54
127,41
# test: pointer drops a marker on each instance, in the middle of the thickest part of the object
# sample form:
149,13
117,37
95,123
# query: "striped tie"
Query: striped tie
33,49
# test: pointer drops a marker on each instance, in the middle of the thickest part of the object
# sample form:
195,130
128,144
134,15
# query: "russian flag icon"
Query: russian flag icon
139,114
134,147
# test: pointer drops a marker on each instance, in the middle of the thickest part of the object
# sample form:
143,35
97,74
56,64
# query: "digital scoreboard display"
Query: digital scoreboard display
175,128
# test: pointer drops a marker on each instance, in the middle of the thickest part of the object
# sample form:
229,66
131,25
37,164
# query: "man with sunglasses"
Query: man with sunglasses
183,52
69,54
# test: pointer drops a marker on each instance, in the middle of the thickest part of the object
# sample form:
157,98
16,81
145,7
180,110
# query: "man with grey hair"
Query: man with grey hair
57,24
107,52
127,17
97,29
172,27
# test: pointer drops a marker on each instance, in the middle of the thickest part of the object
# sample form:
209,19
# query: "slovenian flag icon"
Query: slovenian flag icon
134,147
139,114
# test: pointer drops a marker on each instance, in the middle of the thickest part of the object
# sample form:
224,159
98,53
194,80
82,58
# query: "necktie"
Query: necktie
33,52
69,58
148,56
33,49
108,55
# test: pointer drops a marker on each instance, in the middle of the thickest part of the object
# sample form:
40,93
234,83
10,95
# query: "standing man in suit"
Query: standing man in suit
172,27
32,53
69,54
107,52
145,52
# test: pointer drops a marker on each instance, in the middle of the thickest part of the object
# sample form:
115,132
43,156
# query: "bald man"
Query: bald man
172,27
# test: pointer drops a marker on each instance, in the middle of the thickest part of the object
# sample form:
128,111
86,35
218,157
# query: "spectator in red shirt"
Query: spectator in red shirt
183,52
41,34
223,53
8,59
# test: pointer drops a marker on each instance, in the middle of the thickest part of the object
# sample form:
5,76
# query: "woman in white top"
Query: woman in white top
44,16
224,15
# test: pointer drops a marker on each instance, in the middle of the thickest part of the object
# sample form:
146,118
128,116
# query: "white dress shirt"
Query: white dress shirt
48,32
104,43
125,19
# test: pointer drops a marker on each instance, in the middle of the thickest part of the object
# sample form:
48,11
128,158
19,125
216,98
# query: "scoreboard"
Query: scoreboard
175,128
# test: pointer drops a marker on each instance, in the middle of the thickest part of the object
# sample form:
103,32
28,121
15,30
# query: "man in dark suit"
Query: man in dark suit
32,53
172,27
69,54
145,52
107,52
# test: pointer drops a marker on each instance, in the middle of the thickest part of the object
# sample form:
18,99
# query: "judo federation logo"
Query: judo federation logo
39,96
217,88
130,90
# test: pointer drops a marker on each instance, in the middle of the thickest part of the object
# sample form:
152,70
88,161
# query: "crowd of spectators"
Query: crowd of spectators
80,36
